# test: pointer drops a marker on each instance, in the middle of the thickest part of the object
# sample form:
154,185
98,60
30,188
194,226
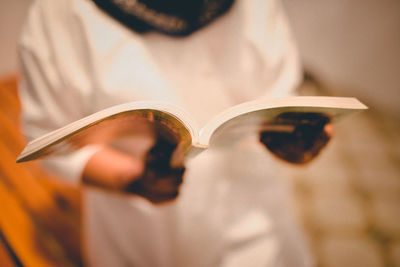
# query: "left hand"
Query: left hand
297,137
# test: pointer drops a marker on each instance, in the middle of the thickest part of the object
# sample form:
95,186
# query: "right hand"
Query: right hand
159,182
151,177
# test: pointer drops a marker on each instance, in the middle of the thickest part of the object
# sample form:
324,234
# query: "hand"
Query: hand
112,169
159,182
149,176
297,137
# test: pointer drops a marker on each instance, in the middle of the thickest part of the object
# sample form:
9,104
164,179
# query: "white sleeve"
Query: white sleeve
49,100
289,70
270,31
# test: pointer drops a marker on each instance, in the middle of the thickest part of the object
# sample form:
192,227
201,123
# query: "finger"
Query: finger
158,188
282,128
131,172
153,195
178,157
328,129
161,198
112,169
164,185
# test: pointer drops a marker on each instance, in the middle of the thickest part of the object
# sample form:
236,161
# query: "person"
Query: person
229,206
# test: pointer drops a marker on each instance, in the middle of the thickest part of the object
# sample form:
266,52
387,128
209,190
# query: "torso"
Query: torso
243,55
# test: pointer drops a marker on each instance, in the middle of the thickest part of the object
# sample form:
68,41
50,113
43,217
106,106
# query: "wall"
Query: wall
353,45
12,13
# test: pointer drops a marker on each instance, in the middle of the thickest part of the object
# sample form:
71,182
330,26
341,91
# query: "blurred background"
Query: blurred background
347,201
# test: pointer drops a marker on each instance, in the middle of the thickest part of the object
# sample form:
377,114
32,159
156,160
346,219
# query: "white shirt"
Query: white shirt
76,60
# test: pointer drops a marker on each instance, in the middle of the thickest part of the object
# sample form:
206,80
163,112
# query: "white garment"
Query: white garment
76,60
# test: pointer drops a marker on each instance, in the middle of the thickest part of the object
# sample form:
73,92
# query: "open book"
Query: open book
136,118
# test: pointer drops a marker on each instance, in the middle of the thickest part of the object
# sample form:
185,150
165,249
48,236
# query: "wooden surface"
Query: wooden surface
39,215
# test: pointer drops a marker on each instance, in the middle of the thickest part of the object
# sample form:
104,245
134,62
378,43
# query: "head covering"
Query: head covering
172,17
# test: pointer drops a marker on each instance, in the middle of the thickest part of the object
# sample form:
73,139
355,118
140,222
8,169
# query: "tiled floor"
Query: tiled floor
348,200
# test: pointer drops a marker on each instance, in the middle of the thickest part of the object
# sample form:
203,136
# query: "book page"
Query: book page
247,118
124,131
129,125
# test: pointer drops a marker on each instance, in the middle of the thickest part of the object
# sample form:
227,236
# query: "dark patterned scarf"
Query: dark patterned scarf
172,17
